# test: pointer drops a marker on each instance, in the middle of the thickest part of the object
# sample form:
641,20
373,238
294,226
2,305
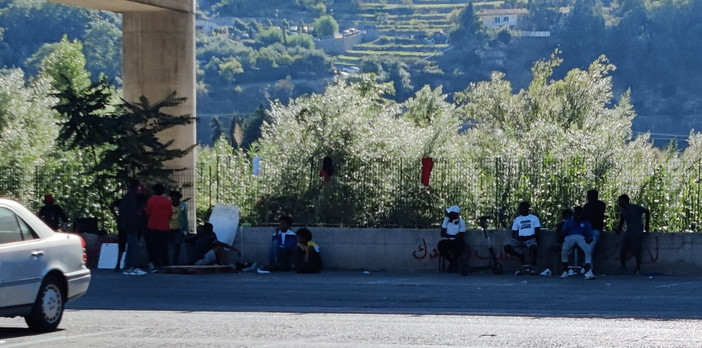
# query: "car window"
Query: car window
9,227
27,232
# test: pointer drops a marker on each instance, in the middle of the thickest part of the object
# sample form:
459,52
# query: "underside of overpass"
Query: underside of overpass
123,6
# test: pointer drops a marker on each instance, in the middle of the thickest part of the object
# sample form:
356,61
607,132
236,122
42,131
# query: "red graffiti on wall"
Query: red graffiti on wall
422,251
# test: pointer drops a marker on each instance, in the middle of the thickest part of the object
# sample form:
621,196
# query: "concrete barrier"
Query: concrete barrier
379,249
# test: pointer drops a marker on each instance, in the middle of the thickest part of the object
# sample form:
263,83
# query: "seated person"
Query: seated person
283,243
524,230
307,258
557,245
453,229
205,249
579,232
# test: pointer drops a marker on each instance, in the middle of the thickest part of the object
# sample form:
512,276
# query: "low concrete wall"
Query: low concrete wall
415,250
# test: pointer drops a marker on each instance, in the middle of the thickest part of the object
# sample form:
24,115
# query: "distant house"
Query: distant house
501,17
215,26
205,26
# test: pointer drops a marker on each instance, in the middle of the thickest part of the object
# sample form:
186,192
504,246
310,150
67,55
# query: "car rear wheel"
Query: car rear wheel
48,308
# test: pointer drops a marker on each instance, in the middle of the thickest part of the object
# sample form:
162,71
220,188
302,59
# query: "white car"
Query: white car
40,270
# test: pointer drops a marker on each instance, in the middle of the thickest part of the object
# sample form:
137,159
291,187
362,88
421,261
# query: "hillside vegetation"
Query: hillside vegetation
266,50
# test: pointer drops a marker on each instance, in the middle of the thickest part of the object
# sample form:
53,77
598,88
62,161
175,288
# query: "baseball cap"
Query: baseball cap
453,209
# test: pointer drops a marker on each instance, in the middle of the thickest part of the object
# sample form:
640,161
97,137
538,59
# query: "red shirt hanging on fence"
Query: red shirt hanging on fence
159,211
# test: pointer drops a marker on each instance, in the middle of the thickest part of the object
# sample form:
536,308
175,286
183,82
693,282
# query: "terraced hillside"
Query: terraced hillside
407,29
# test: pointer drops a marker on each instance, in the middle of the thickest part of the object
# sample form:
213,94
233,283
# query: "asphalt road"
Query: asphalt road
353,309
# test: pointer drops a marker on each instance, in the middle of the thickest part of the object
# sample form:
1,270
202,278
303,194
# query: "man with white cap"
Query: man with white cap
453,229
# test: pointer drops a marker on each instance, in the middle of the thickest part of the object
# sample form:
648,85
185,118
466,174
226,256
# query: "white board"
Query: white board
108,256
225,220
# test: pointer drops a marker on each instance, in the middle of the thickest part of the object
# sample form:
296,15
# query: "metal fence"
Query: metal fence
78,192
388,193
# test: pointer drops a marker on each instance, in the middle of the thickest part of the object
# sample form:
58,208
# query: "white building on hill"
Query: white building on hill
501,17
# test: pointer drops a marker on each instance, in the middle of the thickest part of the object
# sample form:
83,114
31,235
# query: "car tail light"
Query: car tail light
85,251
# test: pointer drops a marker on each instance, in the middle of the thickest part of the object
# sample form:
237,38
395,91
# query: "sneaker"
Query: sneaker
571,272
128,272
565,275
138,271
589,275
546,273
251,268
262,271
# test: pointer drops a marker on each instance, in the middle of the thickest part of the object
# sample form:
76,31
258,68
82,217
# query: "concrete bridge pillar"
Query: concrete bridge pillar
159,58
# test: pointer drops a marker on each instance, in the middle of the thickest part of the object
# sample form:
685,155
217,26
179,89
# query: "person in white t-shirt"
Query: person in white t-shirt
524,230
453,229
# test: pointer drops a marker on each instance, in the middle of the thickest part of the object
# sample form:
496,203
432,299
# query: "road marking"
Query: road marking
52,339
675,284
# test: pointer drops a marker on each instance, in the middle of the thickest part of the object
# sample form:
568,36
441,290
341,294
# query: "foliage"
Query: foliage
29,24
27,121
325,26
547,144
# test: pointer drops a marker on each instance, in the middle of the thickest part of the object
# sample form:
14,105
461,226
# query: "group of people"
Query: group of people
161,220
291,250
581,227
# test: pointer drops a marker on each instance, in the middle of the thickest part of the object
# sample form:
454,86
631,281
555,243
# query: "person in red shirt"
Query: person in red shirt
158,212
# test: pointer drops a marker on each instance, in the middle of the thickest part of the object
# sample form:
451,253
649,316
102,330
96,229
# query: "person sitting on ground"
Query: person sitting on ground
307,257
52,214
282,249
579,232
453,230
555,251
206,249
524,230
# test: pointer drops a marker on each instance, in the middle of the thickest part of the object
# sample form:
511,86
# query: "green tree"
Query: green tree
252,128
229,68
103,48
27,121
269,36
64,63
583,35
325,26
217,129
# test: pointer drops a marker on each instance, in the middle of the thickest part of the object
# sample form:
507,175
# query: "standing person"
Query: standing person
595,214
453,230
524,230
283,244
129,225
158,212
578,232
633,236
178,225
52,214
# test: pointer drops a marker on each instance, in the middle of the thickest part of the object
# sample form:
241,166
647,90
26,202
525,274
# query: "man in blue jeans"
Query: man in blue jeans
283,243
128,222
578,232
